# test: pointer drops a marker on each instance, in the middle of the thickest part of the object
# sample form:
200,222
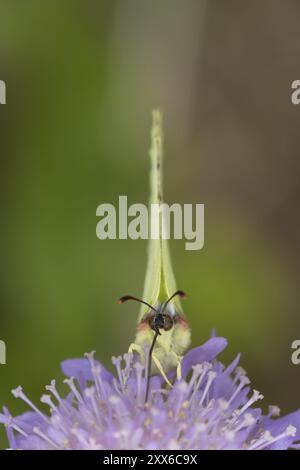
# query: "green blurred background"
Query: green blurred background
82,78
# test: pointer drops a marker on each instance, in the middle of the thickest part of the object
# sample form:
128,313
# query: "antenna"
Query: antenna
130,297
178,292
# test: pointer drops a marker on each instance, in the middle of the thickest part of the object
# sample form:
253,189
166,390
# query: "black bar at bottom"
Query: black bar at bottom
134,459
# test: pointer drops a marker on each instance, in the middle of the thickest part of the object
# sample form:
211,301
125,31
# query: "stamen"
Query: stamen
52,388
243,381
196,371
98,381
248,420
18,429
180,390
222,405
237,413
273,411
117,386
79,435
239,372
208,408
117,363
211,377
139,369
117,404
126,371
37,431
71,385
48,401
18,393
90,394
205,367
255,397
10,433
267,438
96,371
8,422
62,423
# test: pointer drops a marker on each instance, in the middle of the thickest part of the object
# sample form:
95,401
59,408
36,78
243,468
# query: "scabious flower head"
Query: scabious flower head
210,407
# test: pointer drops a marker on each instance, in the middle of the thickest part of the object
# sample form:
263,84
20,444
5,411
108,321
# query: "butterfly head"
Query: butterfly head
160,317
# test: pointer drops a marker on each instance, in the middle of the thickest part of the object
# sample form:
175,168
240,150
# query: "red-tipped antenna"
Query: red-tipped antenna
180,293
130,297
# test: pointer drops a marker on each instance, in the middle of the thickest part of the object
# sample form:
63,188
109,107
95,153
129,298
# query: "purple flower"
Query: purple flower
211,407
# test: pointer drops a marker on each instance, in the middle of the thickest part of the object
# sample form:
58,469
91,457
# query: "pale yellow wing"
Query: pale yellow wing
160,281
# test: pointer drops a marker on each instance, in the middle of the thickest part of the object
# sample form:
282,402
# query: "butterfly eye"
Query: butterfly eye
168,322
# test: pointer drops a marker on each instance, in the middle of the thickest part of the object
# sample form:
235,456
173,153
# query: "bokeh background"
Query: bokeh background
82,78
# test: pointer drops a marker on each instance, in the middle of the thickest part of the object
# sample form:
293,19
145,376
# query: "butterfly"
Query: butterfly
162,325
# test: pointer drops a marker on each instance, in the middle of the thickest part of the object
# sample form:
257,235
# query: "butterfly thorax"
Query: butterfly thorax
174,335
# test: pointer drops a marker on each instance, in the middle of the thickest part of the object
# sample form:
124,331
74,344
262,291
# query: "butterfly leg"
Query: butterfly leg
178,369
136,348
159,366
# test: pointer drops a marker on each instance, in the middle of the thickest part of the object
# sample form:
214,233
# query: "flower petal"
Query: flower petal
277,426
81,370
205,353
